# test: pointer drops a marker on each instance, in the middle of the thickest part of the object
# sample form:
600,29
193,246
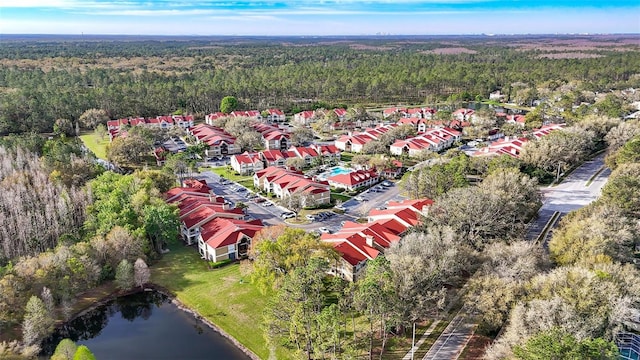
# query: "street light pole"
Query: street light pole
413,342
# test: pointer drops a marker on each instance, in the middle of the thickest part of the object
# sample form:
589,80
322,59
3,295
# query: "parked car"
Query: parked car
288,215
267,204
310,217
387,184
373,190
359,198
342,223
324,230
340,207
259,200
241,189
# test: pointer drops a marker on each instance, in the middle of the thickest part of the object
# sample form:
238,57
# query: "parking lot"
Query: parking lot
258,207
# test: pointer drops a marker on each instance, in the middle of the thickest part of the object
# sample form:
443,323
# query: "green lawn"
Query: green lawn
346,157
224,296
97,146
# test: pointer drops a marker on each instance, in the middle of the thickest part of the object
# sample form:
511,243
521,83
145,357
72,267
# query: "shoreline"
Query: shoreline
174,300
195,314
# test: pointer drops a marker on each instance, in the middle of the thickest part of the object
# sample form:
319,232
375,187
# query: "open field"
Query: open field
97,146
223,296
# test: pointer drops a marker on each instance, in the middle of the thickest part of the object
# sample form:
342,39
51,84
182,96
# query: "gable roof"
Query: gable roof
221,232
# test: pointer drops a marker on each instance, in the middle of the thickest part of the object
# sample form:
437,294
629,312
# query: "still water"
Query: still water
144,326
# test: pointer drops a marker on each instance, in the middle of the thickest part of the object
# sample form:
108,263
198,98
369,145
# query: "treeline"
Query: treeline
260,75
69,228
574,302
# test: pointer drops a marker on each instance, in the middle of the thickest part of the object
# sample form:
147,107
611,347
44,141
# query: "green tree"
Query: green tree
228,104
65,350
555,344
375,297
293,314
63,127
161,223
623,189
277,255
83,353
124,275
628,153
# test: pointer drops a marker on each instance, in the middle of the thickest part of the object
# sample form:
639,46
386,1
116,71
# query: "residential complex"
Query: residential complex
357,243
208,220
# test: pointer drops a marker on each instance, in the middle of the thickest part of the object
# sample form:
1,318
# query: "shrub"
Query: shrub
219,264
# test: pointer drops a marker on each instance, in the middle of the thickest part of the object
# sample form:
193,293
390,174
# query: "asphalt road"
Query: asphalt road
453,339
572,194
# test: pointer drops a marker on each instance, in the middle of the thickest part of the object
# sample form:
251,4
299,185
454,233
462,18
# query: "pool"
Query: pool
336,170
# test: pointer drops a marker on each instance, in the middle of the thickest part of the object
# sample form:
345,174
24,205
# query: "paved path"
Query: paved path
422,339
572,194
453,340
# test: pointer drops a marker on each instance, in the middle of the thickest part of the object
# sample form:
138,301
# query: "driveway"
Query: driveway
374,200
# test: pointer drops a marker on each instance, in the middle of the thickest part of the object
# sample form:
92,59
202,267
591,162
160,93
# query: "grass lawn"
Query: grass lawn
223,296
97,146
346,157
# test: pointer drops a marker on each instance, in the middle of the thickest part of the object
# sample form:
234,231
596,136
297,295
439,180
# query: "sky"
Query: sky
318,17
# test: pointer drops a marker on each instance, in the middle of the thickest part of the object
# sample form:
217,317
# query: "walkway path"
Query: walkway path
422,339
453,340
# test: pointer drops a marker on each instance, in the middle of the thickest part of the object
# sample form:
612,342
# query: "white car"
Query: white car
310,217
267,203
288,215
359,198
386,184
340,207
324,230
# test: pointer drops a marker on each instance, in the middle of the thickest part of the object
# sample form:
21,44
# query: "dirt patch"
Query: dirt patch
451,51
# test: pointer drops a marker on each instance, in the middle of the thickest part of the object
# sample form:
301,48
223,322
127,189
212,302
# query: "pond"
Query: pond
144,325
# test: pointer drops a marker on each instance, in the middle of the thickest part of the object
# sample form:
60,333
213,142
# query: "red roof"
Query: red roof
275,112
340,112
355,177
306,114
354,254
221,232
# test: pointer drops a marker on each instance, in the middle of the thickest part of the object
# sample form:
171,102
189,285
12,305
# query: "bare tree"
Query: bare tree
37,322
141,273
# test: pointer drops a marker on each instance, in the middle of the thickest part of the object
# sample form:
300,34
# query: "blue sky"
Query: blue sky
319,17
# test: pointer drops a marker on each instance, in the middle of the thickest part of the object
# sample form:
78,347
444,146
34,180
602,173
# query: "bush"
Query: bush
219,264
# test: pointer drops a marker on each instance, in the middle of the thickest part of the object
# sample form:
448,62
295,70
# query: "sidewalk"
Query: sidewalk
422,339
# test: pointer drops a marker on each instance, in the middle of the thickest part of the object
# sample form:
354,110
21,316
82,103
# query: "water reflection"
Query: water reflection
146,320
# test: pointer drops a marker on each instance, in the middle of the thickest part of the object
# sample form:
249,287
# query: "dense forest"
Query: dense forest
44,79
